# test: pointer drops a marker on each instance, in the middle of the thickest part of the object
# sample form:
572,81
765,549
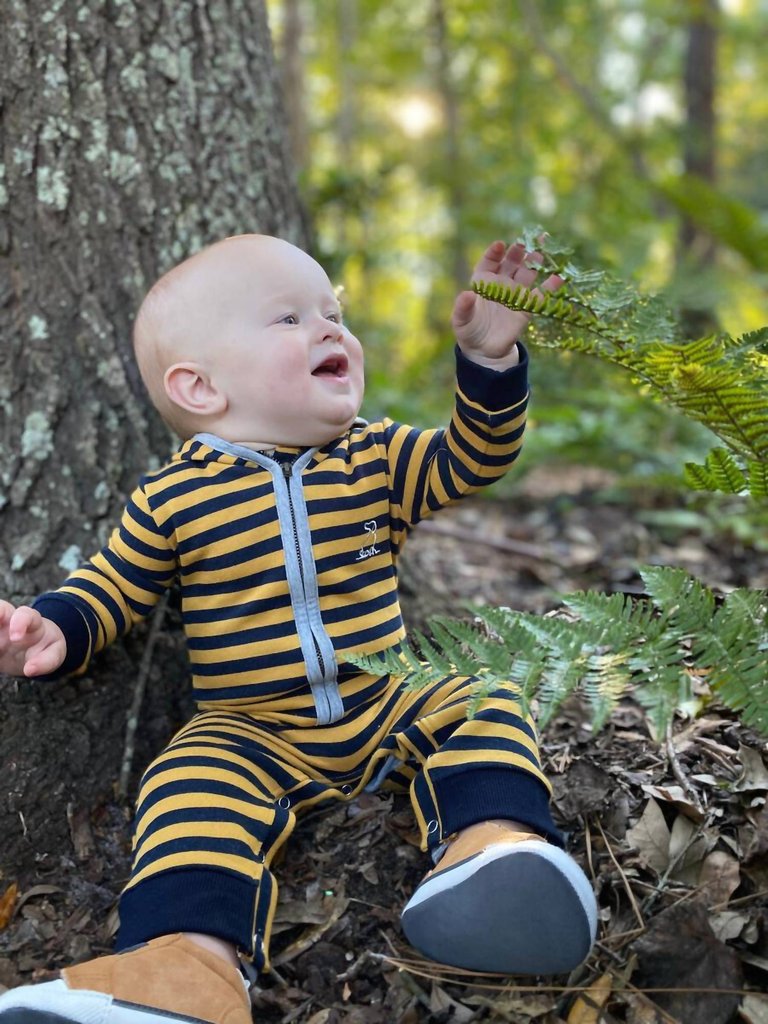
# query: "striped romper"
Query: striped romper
286,562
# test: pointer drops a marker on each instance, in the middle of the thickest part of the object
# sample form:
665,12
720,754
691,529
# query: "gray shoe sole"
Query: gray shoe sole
515,908
30,1015
24,1015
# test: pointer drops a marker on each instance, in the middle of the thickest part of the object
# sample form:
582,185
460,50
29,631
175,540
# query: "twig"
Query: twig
677,770
138,695
453,976
625,881
354,969
509,547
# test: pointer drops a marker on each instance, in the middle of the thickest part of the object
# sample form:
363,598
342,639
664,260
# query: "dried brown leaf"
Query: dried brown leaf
754,1008
8,904
588,1007
676,796
650,837
680,950
754,775
720,877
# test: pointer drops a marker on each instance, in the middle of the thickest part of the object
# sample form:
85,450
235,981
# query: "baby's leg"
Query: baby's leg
210,816
504,895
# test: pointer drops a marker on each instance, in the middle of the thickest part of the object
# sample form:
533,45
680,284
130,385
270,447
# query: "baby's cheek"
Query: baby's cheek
288,375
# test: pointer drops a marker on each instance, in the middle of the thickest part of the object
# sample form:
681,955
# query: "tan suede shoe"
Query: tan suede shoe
505,901
170,980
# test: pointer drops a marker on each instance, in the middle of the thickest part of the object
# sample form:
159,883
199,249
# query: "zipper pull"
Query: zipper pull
286,468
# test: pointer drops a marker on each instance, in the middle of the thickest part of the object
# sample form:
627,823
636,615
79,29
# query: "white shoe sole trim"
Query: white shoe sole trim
82,1006
559,859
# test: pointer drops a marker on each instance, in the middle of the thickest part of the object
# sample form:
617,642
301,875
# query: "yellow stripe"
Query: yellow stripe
240,865
201,830
195,801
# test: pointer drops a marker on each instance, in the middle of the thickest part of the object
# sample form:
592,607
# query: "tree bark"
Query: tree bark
460,268
697,248
130,135
292,80
700,74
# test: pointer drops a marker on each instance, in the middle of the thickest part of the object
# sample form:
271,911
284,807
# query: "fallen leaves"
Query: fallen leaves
680,951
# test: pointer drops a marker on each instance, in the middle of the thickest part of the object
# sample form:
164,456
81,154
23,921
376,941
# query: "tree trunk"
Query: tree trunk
131,134
455,172
696,248
292,80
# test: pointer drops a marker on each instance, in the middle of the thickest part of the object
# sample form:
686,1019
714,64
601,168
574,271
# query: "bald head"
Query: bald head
191,308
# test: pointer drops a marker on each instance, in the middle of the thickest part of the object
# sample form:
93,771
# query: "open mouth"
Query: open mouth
333,366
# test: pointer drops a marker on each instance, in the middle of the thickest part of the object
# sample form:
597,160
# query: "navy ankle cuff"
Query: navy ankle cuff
467,796
190,900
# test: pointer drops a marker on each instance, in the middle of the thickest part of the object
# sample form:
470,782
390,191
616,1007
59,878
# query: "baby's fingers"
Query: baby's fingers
44,657
6,611
26,626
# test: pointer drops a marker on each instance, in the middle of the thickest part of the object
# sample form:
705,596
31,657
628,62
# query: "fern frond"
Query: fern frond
606,646
717,380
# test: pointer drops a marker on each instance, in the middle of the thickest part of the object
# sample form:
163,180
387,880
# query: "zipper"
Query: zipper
287,468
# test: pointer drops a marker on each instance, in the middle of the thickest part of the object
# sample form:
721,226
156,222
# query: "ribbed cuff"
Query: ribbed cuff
189,900
494,390
467,796
71,620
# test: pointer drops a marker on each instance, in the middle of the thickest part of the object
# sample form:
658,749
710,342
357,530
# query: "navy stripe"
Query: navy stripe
214,587
246,610
256,663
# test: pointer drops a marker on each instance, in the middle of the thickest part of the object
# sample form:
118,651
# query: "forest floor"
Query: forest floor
673,831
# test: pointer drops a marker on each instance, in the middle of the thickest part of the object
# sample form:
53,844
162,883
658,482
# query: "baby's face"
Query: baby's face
291,372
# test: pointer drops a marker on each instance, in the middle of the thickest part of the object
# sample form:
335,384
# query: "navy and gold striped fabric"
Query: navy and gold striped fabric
222,799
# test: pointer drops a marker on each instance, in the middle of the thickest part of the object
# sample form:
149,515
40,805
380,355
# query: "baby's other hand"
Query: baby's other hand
29,644
486,331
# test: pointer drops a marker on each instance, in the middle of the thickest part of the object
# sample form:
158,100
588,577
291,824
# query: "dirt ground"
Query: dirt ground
673,831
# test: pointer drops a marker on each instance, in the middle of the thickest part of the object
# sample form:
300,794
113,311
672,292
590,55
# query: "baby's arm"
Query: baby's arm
29,644
487,332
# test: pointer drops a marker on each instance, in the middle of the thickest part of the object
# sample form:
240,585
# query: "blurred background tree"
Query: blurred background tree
635,130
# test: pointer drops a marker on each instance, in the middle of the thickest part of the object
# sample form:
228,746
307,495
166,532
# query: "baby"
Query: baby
282,516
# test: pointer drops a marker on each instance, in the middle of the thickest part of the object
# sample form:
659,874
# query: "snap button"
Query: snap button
432,827
284,802
346,790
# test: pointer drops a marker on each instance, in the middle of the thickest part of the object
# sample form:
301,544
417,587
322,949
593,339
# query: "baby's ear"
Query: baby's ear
189,387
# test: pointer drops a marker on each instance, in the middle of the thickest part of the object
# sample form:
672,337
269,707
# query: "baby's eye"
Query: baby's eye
289,318
335,318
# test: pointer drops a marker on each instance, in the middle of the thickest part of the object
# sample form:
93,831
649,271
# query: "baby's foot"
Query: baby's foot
170,980
503,900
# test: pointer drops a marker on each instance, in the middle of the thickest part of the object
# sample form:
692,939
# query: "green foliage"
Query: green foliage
729,221
608,646
719,381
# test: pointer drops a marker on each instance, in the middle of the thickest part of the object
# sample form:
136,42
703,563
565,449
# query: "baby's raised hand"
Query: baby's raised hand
486,331
29,644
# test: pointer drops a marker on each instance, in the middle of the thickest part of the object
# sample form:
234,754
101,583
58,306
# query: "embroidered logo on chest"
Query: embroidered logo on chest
369,547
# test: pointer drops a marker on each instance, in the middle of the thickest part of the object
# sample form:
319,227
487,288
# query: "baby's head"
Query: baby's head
245,340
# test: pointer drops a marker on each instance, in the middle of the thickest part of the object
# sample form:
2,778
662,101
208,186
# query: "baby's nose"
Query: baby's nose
332,332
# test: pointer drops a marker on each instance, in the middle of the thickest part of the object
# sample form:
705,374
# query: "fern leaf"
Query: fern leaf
725,472
698,478
758,478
